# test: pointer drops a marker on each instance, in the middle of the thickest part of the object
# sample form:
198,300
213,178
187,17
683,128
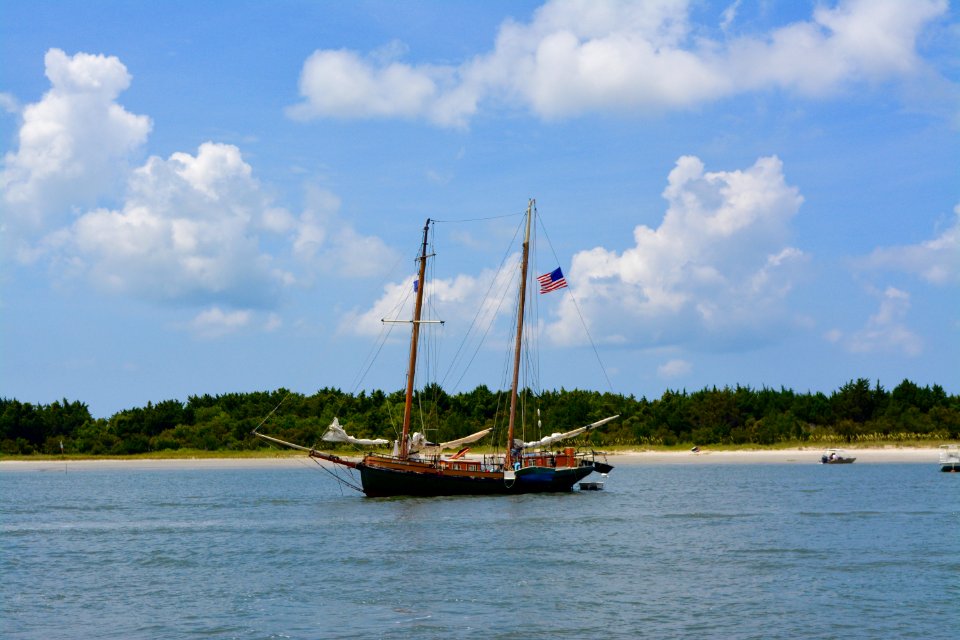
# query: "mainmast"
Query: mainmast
414,337
508,461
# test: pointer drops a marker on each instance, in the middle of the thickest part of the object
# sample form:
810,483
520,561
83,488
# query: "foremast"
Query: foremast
518,346
414,338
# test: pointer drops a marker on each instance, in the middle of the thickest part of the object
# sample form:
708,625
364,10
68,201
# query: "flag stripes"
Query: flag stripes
552,281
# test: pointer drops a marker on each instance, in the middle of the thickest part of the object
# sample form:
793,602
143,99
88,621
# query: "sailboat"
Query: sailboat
417,467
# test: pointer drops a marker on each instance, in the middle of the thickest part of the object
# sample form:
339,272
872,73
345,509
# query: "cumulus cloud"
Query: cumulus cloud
187,232
716,271
937,261
462,300
859,40
324,242
75,144
342,84
195,228
717,268
886,330
578,56
215,322
674,369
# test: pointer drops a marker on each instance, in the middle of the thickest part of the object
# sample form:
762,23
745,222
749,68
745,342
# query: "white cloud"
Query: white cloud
324,242
729,15
578,56
462,301
341,84
216,323
886,331
937,261
674,369
9,103
187,232
717,268
75,145
859,40
273,323
394,304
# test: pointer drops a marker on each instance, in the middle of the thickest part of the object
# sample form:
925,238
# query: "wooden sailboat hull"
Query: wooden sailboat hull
382,482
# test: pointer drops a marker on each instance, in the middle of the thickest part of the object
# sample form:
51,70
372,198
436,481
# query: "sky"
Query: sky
214,198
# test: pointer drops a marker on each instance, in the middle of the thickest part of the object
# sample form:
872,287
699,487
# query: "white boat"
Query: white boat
949,458
593,485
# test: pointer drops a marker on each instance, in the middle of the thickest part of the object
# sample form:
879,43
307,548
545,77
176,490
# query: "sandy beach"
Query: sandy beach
808,455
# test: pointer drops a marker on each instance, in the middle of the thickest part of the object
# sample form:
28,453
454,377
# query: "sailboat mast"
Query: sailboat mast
414,337
508,461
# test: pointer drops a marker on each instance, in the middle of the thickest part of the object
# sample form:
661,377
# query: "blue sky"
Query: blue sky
209,198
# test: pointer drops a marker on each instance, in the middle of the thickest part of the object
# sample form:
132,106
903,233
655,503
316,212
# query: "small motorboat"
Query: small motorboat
949,458
835,456
593,485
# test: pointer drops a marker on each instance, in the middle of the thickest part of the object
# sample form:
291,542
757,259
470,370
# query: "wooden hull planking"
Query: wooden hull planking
384,477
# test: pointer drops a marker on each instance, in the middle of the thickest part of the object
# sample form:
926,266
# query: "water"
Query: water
666,551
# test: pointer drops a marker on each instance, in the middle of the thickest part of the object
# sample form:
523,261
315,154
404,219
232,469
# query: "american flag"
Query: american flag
551,281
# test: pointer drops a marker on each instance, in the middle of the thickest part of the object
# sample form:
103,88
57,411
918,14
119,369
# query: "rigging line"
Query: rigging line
593,345
503,395
480,342
499,414
476,318
337,477
388,274
379,347
386,328
506,215
367,363
272,411
427,346
394,423
532,347
531,380
576,306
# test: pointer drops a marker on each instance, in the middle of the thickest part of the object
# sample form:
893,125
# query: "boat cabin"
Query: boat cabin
949,458
461,465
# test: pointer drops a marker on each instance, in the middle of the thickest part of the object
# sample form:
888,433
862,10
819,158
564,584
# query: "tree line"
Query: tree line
857,411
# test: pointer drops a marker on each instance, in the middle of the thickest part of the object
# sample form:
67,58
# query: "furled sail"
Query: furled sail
419,442
455,444
557,437
335,433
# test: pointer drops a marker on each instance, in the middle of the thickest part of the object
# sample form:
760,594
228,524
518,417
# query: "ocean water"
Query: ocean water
665,551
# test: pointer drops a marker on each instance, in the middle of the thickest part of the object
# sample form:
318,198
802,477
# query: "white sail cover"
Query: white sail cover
335,433
456,444
557,437
419,441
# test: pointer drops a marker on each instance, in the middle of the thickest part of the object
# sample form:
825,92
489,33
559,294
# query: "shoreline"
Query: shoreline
803,455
